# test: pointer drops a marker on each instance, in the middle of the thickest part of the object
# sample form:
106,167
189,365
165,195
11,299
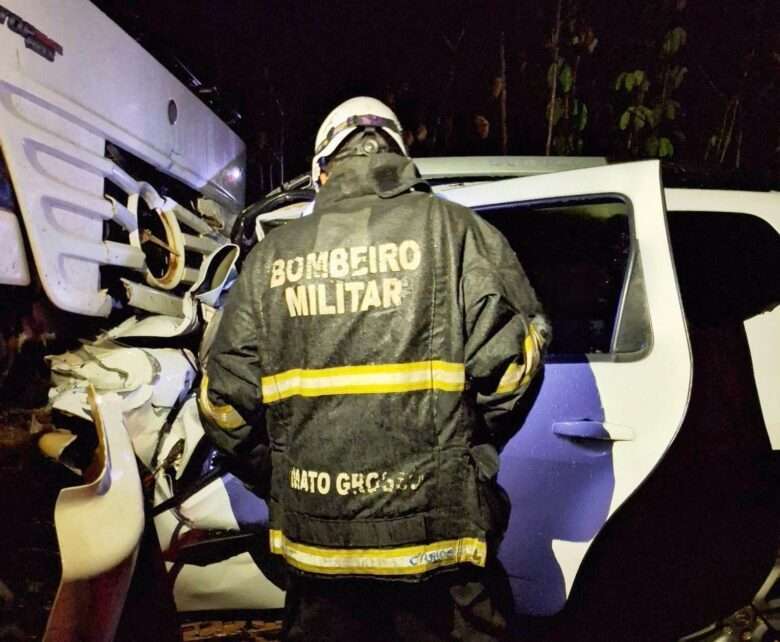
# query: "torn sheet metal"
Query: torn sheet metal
144,422
217,273
99,527
100,523
71,401
186,426
134,330
148,299
53,444
212,318
176,372
107,367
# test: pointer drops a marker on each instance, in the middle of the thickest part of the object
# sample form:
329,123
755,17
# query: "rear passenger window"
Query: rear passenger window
585,268
728,265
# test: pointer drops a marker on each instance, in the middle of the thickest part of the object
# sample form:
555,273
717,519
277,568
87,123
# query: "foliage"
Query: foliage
649,113
567,113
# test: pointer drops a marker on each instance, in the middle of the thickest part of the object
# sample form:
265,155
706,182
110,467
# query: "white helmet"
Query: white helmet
345,119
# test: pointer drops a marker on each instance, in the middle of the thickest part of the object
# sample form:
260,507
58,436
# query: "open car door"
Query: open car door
617,377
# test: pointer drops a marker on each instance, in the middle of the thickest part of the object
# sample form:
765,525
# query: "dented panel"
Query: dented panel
56,117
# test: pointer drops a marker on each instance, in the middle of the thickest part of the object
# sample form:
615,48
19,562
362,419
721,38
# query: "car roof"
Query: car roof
449,171
469,168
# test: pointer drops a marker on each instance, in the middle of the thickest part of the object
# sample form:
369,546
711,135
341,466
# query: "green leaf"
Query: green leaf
645,86
551,75
643,116
621,77
629,82
625,118
671,109
657,112
666,46
582,117
674,40
566,79
680,76
651,146
639,77
665,148
557,111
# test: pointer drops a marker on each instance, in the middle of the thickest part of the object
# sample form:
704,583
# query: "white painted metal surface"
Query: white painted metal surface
501,166
99,527
144,422
763,330
648,396
187,428
215,275
100,523
55,119
13,262
150,300
72,401
107,368
176,371
234,583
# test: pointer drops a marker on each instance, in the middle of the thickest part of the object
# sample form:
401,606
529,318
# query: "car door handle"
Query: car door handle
586,429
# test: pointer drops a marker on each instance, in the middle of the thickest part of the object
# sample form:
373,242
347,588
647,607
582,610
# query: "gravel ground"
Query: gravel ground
236,631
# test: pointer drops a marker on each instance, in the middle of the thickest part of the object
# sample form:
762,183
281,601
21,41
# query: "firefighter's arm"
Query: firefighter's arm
505,328
229,396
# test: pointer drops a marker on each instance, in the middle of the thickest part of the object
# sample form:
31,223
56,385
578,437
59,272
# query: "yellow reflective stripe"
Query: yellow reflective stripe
404,560
518,375
532,347
512,378
368,379
226,417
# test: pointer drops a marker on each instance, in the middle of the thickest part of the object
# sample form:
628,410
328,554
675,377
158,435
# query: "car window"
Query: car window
727,265
585,268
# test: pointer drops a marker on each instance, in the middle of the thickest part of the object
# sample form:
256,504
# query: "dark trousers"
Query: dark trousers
468,603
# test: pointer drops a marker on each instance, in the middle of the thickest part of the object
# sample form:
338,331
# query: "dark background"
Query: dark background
283,65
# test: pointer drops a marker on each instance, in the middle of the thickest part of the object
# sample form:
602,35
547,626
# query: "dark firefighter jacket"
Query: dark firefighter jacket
382,343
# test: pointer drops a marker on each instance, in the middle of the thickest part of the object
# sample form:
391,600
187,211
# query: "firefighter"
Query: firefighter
378,350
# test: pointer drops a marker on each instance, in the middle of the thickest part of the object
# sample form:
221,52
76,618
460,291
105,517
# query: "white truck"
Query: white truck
115,179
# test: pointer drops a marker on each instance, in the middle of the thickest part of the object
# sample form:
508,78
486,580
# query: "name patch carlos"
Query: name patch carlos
338,292
322,483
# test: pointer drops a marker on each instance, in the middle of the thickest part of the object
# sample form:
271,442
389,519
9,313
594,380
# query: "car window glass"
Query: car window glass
581,260
727,265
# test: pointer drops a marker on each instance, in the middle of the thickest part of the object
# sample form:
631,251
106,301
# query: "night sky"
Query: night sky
305,57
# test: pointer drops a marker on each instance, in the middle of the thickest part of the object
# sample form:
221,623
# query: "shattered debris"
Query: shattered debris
127,360
149,366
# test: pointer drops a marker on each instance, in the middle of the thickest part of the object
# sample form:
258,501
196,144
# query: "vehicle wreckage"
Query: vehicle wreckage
662,374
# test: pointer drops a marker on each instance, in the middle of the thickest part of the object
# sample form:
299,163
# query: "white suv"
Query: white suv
642,479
